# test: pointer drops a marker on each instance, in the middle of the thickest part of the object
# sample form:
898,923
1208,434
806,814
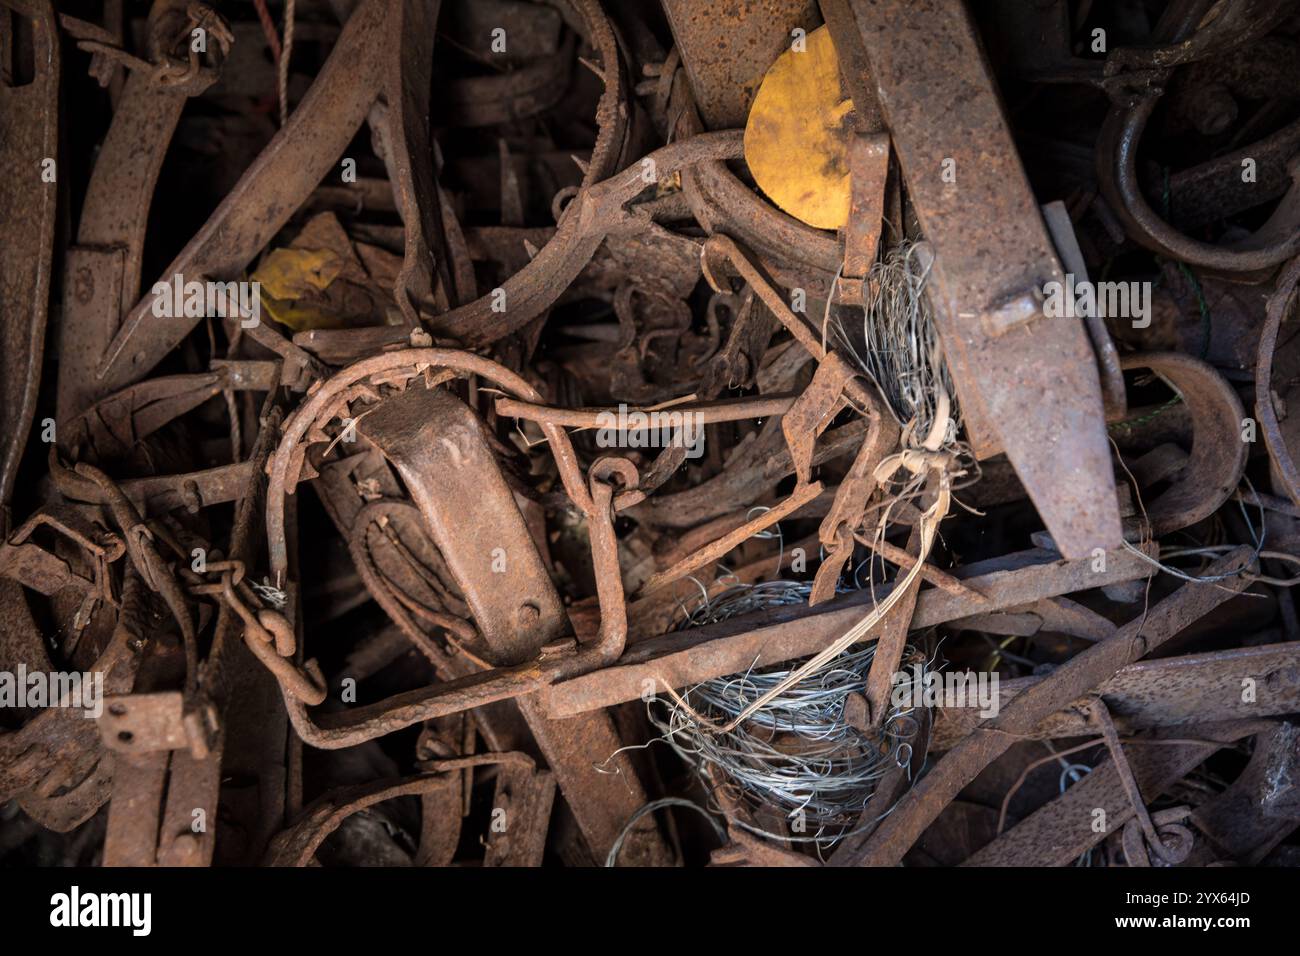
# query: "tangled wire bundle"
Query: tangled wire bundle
899,345
781,737
798,753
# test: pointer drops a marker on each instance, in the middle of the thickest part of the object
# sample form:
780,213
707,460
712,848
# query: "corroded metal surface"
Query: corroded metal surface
499,477
727,47
993,257
29,149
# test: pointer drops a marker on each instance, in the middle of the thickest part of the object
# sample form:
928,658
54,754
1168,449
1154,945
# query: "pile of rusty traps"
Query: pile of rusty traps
650,433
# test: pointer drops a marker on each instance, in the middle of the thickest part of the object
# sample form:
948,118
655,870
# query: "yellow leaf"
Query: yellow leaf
797,135
292,273
300,315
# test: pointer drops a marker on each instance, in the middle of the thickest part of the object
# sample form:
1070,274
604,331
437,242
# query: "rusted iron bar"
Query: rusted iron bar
1065,829
726,48
770,637
29,136
1167,692
1072,679
1005,354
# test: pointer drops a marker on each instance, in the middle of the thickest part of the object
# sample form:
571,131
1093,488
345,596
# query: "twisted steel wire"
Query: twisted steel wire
798,754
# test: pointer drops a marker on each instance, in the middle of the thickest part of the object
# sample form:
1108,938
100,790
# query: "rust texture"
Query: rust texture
426,445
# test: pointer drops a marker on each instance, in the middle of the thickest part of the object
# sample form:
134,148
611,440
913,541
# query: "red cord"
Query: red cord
268,27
